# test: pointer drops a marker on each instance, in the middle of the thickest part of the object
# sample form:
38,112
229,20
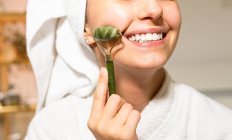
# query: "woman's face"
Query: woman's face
150,29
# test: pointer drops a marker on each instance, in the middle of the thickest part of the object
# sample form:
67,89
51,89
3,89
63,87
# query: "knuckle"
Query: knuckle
128,106
96,95
113,133
115,98
136,113
128,136
91,125
100,129
125,136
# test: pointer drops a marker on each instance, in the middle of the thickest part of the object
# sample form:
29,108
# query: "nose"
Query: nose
150,9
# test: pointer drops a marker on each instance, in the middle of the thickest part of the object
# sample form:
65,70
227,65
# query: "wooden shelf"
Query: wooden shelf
6,111
9,17
15,109
7,53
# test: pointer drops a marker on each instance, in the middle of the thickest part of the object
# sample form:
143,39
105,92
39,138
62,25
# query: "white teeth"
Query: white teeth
136,38
146,37
143,37
149,36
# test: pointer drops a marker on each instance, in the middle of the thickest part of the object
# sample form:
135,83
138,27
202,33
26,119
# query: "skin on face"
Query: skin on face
134,17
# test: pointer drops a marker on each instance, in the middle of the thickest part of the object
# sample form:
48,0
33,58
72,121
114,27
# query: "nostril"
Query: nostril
151,10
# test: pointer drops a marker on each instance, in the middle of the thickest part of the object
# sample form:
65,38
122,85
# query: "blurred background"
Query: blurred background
17,84
203,59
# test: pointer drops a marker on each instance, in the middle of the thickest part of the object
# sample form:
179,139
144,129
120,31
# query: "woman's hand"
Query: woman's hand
111,119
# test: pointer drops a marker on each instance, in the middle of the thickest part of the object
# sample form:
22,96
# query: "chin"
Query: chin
152,65
142,64
153,62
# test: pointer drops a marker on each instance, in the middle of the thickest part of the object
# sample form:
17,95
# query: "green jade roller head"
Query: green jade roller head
107,37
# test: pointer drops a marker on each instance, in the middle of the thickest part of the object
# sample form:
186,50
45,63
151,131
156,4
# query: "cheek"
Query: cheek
118,18
173,17
114,15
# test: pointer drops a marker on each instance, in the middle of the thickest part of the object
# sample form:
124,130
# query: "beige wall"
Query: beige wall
14,5
203,57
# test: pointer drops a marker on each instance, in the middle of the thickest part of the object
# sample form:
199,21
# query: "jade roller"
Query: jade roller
107,37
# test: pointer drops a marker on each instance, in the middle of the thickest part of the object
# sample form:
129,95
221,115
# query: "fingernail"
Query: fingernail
103,71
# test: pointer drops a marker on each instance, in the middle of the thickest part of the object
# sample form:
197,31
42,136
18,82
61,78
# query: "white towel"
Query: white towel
62,62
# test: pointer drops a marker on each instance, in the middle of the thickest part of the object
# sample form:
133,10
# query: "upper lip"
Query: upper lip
145,31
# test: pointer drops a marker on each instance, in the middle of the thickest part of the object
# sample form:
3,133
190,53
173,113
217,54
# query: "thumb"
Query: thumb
101,92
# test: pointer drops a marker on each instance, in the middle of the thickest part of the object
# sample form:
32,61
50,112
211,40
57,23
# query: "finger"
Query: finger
112,107
100,94
123,113
133,120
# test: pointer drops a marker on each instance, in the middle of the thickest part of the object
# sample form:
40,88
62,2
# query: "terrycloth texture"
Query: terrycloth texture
178,112
63,64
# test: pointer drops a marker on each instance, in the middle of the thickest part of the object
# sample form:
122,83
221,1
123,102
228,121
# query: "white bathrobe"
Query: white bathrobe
66,71
178,112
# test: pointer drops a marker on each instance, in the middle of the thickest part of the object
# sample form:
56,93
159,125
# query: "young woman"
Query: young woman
148,105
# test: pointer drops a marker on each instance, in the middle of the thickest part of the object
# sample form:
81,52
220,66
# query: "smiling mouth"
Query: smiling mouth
143,38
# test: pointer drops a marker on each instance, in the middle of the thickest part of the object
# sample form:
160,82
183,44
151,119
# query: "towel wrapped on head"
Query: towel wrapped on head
62,62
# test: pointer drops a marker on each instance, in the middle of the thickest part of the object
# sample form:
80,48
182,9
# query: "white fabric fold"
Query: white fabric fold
178,112
62,62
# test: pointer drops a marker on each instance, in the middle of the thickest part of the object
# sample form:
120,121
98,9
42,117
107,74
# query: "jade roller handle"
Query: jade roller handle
111,77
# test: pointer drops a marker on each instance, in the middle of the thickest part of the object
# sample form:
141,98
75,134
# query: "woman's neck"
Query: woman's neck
138,86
